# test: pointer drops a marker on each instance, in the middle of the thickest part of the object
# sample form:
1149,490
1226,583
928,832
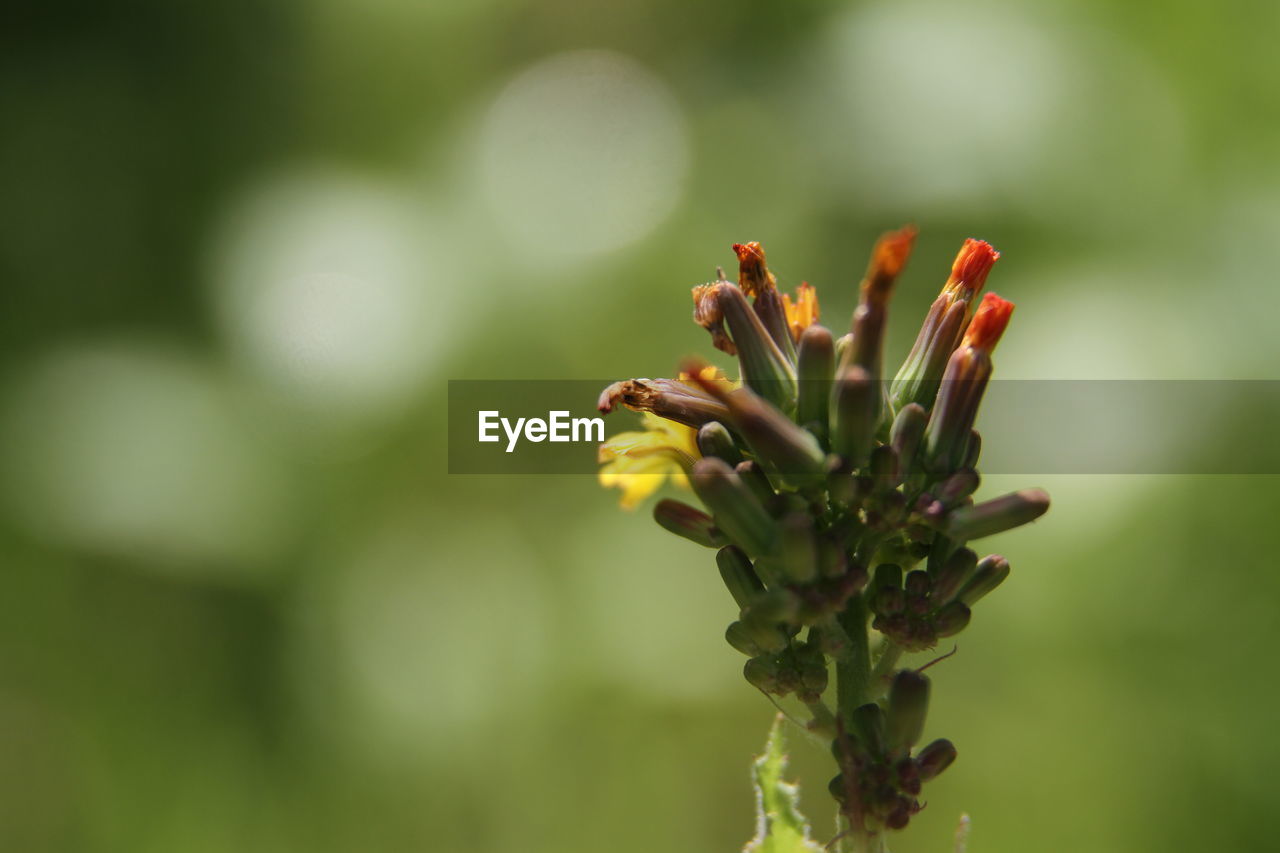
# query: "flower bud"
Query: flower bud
857,413
996,516
814,369
868,728
916,381
762,673
905,436
684,520
883,466
786,451
957,487
740,637
989,574
813,678
935,758
973,450
764,367
738,514
963,384
951,619
887,575
887,261
889,601
921,385
756,281
799,549
908,706
741,579
836,788
952,574
666,398
715,440
766,636
917,583
756,481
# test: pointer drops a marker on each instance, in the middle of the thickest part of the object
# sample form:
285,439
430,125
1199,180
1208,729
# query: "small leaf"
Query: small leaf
780,828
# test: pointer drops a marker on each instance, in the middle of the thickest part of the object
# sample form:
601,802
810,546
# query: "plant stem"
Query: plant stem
853,672
889,653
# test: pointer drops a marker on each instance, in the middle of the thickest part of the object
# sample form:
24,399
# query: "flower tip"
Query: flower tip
749,252
974,261
989,323
893,249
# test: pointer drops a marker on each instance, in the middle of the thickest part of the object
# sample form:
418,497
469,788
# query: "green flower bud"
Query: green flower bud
957,487
950,423
813,679
740,637
762,672
989,574
715,440
888,575
935,758
905,436
814,370
788,452
857,414
766,636
919,383
917,583
888,600
738,575
883,466
951,619
683,520
738,513
952,575
908,706
869,728
756,481
973,450
996,516
799,549
765,368
836,787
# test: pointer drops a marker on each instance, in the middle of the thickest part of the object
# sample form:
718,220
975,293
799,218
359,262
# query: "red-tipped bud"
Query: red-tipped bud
753,274
891,253
988,324
972,263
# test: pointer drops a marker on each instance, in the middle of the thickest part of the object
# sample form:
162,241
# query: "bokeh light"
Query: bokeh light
582,152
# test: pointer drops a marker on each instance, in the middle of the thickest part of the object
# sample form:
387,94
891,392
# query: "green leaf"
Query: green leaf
780,828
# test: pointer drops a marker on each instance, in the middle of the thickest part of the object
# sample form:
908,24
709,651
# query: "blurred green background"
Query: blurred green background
244,245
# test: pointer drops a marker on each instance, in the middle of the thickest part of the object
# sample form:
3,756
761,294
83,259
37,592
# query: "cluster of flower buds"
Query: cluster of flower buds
926,605
880,778
838,501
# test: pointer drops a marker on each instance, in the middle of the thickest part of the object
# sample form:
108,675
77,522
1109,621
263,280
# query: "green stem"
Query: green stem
823,723
853,672
889,653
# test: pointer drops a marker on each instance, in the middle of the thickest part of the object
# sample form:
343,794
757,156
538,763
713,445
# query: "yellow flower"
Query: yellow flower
802,313
639,462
